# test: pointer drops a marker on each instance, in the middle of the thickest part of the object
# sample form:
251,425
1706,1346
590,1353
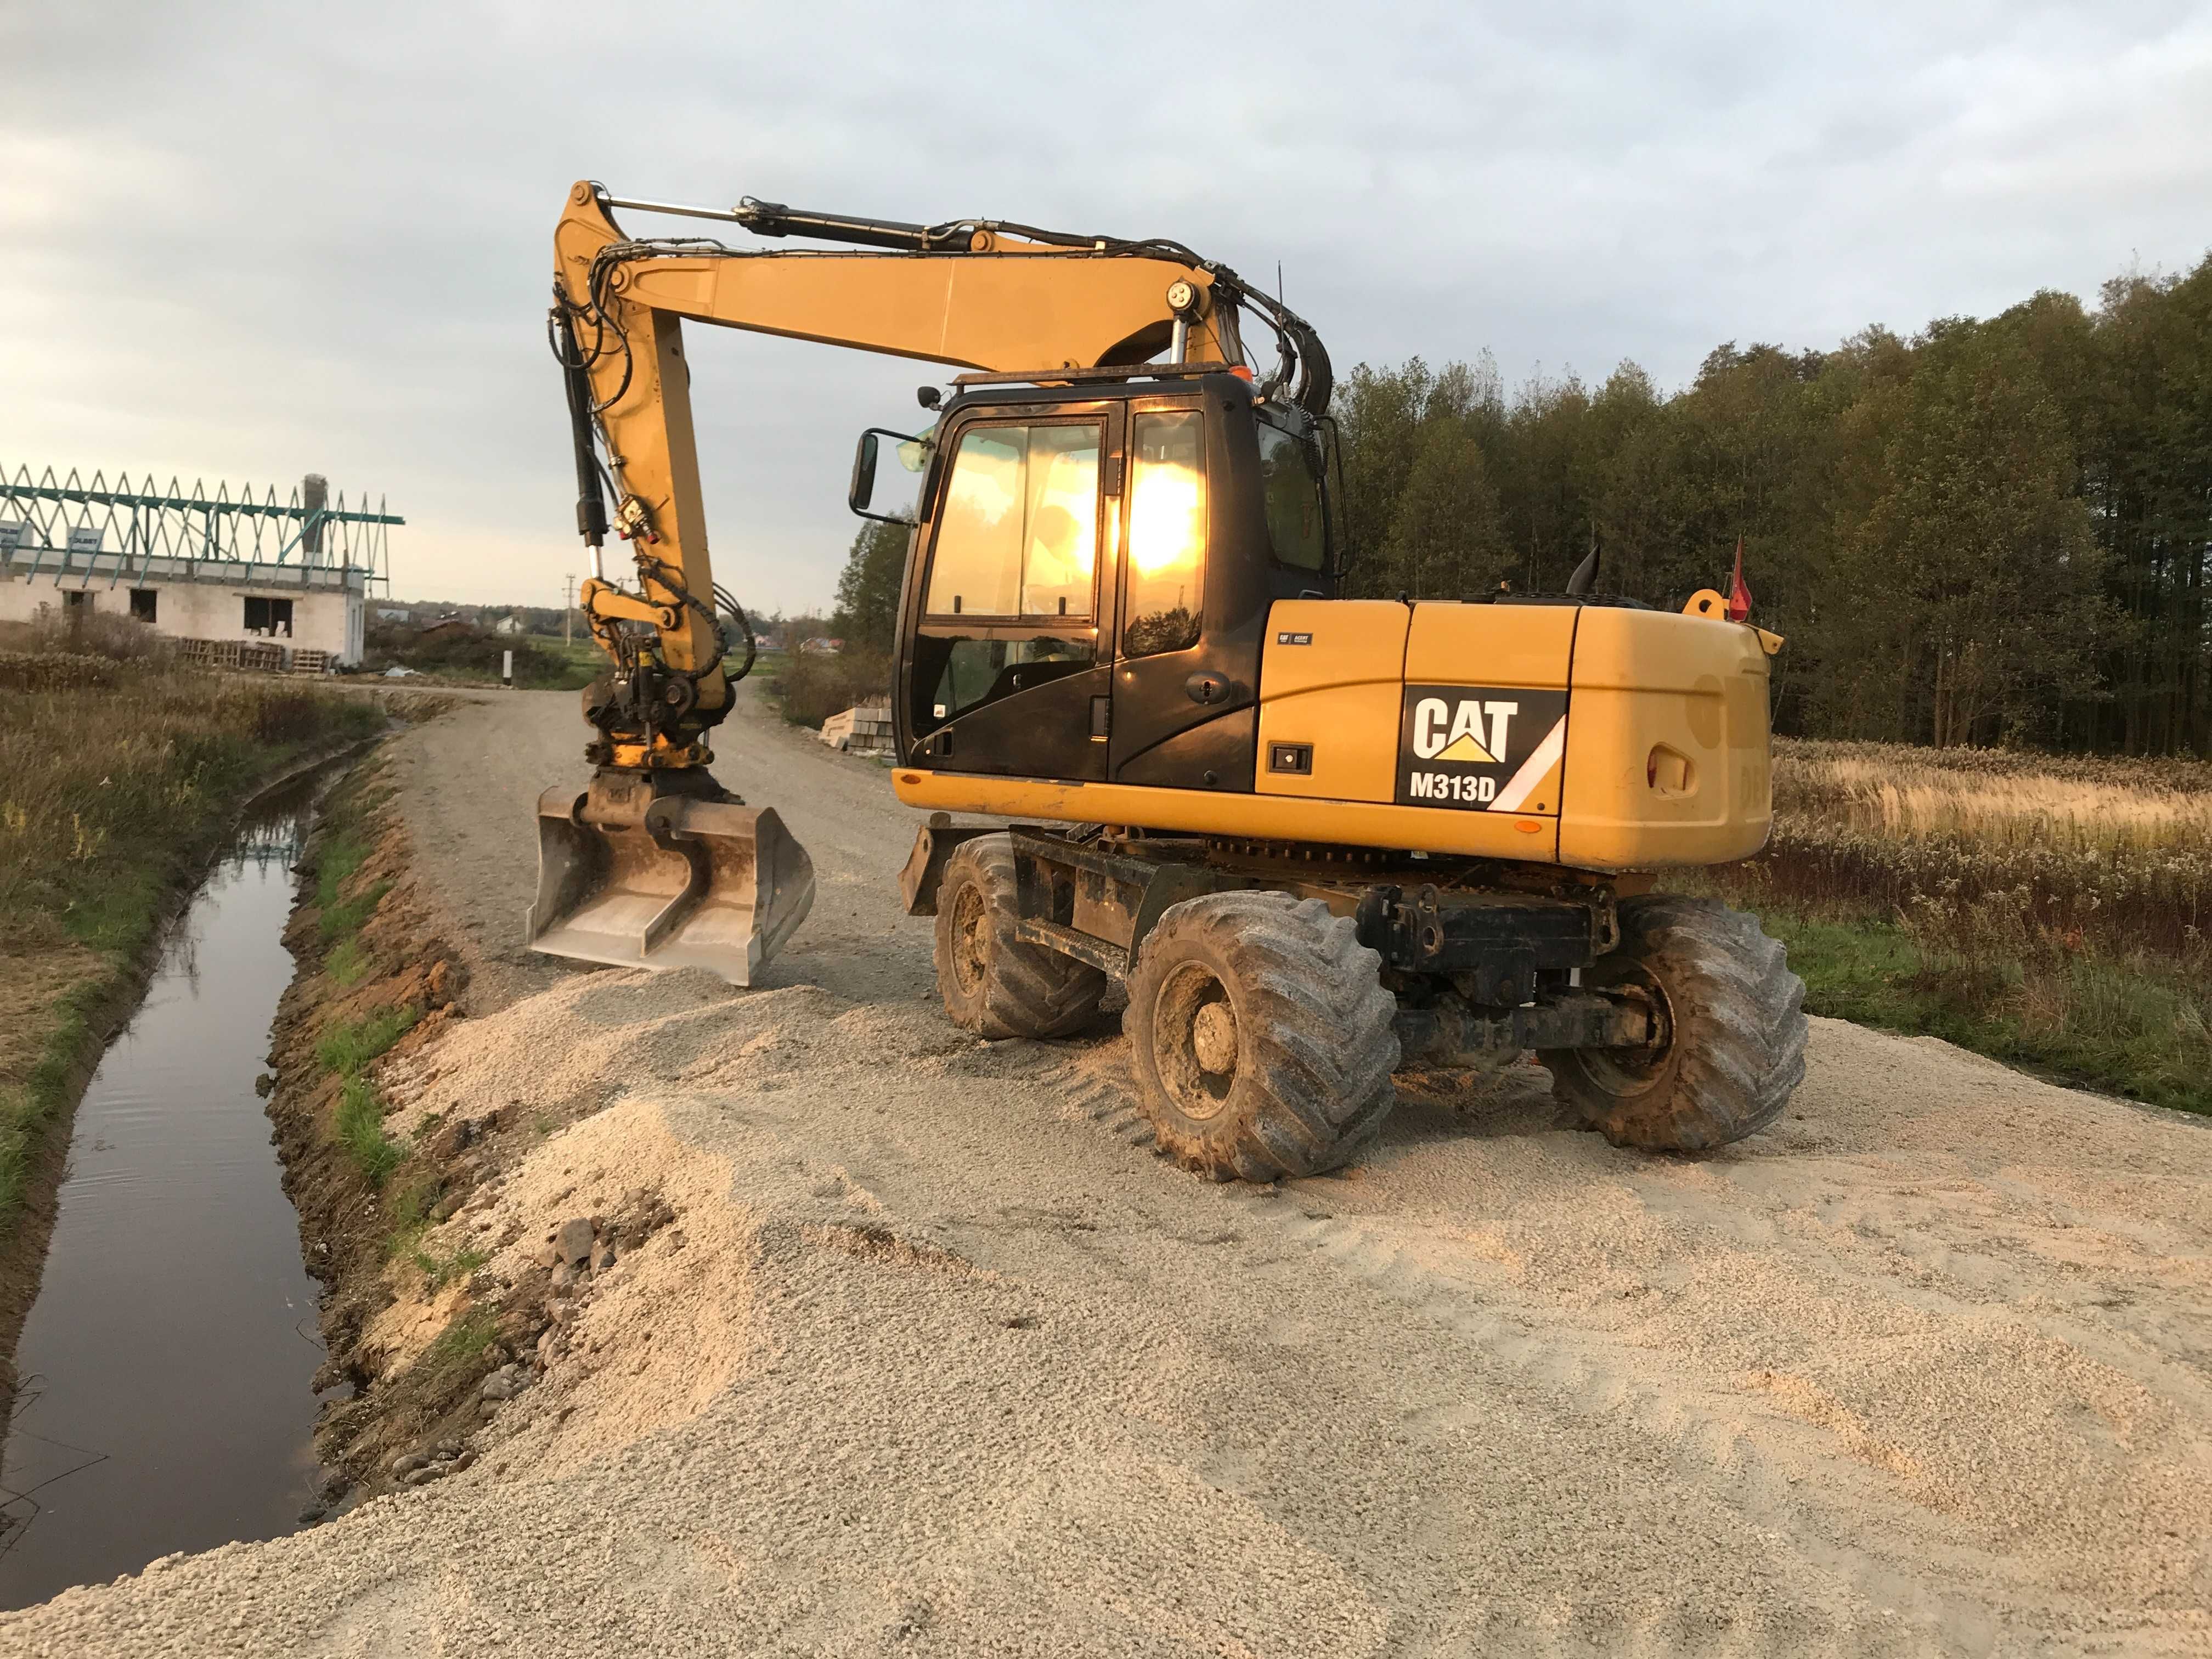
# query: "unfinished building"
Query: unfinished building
237,577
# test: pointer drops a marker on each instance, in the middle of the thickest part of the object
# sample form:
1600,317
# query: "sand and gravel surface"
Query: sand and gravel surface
937,1360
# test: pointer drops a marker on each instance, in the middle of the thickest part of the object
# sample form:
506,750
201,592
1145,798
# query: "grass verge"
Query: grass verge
410,1211
360,1131
120,775
347,1047
2135,1027
348,964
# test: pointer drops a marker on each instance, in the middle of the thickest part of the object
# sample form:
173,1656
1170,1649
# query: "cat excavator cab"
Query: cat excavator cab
1316,839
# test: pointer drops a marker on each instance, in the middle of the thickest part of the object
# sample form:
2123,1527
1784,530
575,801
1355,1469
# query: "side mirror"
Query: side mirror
912,454
863,489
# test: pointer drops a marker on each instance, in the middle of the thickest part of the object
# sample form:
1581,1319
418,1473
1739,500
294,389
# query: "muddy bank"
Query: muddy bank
379,1158
373,972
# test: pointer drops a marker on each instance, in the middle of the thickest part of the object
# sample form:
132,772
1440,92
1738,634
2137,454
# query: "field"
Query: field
2049,911
458,655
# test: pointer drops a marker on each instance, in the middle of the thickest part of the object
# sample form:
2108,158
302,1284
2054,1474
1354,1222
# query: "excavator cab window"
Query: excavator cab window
1167,532
1010,604
1018,537
1291,487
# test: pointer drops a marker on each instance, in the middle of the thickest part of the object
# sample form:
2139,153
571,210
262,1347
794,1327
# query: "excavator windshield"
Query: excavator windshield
1290,481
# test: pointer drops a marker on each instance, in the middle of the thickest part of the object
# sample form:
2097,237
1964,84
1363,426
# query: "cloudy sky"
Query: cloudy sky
248,240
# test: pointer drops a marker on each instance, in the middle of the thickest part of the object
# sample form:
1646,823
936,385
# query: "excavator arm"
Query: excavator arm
970,293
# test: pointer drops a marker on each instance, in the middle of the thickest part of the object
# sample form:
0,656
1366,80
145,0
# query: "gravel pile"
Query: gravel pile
933,1358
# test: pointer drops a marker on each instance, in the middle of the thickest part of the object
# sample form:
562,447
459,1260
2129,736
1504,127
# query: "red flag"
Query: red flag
1739,604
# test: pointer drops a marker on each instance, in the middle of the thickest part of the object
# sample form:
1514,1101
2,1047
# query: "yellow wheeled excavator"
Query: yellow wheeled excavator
1316,839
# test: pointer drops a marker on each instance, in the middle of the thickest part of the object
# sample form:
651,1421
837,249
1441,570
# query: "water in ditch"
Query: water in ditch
166,1401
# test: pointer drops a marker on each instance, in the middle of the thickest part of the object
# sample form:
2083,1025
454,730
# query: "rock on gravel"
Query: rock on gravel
572,1241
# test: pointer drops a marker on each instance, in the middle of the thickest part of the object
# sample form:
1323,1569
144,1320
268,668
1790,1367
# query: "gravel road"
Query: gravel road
948,1365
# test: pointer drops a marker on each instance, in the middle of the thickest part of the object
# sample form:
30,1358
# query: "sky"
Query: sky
250,242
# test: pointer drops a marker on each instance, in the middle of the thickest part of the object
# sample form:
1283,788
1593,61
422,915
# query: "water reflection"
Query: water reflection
166,1402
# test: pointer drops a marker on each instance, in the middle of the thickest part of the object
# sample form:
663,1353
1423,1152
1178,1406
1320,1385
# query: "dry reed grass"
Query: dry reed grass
2101,806
2114,852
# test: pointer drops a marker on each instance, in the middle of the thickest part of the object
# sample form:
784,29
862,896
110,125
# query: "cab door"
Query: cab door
1005,669
1186,680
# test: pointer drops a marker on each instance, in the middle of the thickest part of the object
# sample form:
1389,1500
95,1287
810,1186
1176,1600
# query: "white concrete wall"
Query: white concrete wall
323,619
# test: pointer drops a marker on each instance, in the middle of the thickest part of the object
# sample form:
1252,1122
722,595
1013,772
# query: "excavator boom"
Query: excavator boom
655,864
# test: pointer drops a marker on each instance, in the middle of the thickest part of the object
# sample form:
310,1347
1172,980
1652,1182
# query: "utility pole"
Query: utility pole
568,610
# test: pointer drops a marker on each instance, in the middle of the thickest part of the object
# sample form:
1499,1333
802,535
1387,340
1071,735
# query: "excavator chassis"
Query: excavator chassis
649,870
1274,987
1476,971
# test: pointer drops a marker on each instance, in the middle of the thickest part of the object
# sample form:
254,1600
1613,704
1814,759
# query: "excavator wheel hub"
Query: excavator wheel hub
1213,1037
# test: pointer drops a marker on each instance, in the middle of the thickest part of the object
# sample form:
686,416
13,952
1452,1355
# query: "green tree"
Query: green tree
868,589
1968,603
1445,540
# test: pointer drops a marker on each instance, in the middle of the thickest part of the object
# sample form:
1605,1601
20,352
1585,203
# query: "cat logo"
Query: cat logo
1483,749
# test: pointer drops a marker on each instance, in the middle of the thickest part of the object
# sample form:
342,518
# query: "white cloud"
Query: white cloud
251,240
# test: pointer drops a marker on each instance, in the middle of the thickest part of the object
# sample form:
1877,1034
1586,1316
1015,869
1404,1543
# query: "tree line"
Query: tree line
1995,530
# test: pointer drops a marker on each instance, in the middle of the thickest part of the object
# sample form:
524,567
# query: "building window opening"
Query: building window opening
145,605
271,618
76,599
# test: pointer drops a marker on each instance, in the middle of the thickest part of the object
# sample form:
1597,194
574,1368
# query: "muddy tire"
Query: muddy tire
1732,1030
992,983
1261,1036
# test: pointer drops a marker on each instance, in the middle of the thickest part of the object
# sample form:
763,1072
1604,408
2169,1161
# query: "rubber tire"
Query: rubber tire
1737,1049
993,984
1314,1042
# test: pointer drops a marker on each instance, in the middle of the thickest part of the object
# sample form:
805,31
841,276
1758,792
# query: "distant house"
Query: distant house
821,647
509,626
394,613
446,625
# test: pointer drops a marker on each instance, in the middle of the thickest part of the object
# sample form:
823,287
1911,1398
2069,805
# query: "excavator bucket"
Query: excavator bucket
646,879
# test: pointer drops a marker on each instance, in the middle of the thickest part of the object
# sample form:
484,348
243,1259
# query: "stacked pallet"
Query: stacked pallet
264,656
866,730
216,653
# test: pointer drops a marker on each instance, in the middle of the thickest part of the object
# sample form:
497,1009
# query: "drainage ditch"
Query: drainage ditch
167,1401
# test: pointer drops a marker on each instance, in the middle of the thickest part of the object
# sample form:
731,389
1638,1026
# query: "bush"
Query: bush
56,671
813,686
466,653
97,634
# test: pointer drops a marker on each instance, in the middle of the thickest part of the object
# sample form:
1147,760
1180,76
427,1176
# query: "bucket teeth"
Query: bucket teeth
644,879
